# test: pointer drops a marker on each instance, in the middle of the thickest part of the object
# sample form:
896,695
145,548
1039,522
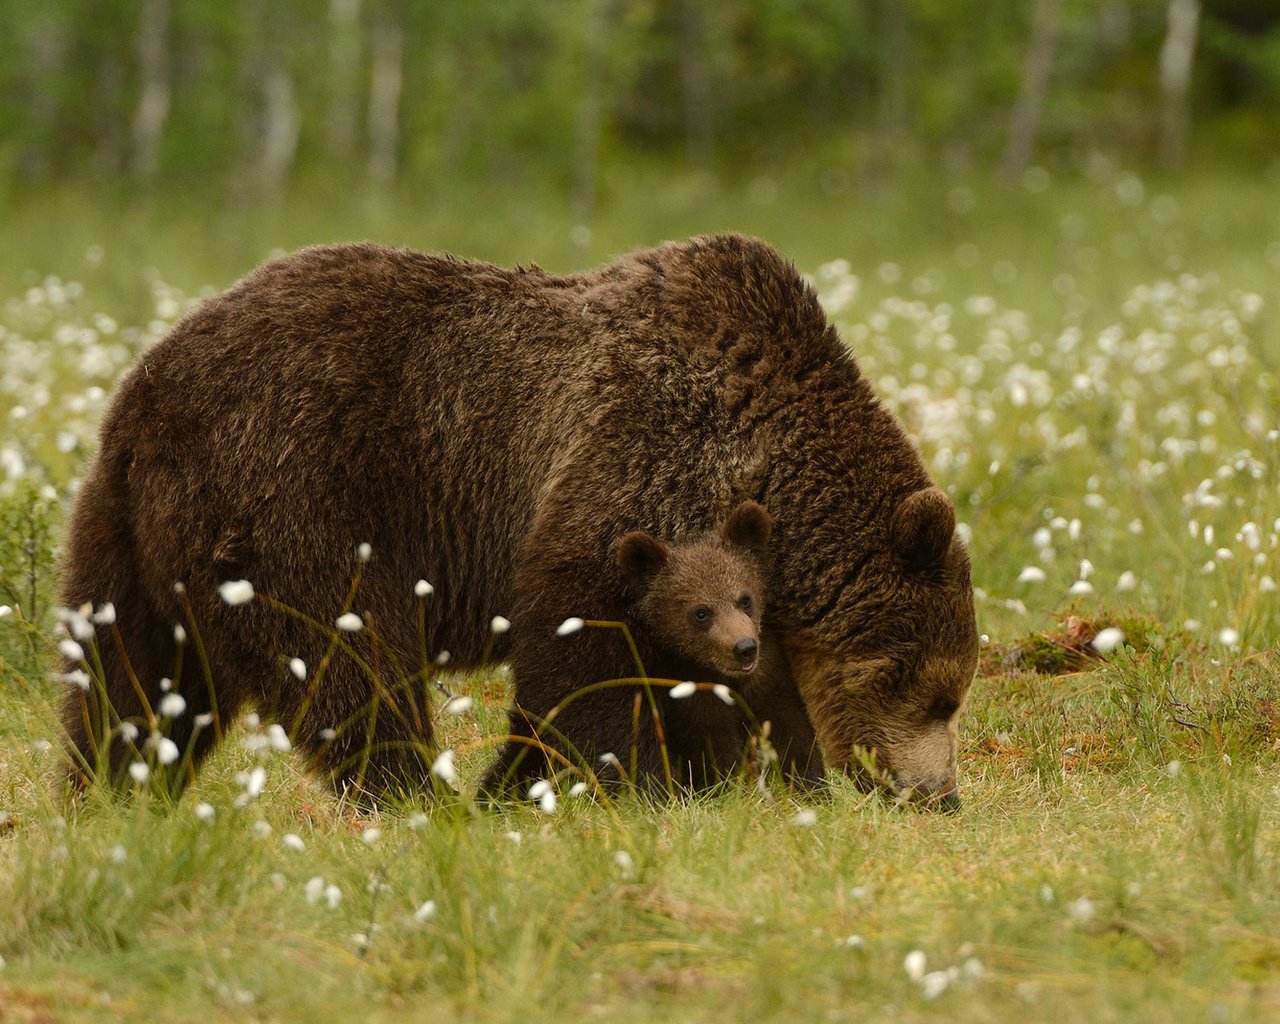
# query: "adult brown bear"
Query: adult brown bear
494,431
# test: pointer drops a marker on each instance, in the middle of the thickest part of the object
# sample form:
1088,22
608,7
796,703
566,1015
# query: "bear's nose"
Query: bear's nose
745,649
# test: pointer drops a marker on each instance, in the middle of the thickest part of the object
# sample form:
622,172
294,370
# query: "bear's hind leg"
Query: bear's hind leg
372,739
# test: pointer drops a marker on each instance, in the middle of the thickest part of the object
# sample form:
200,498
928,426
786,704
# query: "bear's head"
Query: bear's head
885,672
702,598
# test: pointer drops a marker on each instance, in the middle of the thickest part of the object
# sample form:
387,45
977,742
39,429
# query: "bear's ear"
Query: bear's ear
640,556
922,527
748,526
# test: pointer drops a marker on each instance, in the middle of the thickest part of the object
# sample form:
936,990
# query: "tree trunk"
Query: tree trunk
384,100
699,111
590,114
1176,60
280,127
344,74
1024,125
153,96
891,61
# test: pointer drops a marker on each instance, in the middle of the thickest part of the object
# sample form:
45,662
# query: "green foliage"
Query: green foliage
519,93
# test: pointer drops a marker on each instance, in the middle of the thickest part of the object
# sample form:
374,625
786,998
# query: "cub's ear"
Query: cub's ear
639,556
922,527
748,526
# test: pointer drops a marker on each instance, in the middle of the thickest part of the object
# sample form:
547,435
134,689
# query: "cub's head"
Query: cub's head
703,597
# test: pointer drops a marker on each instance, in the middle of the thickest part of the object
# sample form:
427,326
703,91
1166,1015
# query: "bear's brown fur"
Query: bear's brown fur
494,431
702,600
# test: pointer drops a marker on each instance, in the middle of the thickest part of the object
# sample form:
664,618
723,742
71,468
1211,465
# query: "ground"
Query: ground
1091,372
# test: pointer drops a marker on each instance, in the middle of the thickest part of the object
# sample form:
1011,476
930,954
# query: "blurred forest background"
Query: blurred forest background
563,130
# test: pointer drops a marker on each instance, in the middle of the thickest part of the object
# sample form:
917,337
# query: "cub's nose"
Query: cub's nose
745,650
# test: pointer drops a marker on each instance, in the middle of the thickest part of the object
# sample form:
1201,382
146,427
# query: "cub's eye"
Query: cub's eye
700,616
942,709
745,602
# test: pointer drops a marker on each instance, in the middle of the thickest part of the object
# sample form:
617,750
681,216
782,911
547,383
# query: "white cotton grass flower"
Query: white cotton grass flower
236,591
1031,574
1107,640
70,650
914,964
365,551
458,705
724,693
423,589
1082,909
204,811
105,615
292,841
539,788
5,610
934,984
252,782
167,751
1128,581
1086,568
349,622
172,705
313,890
1267,585
140,772
371,835
442,659
332,896
499,625
77,677
548,801
624,863
1080,588
129,732
577,789
179,634
806,817
1173,769
76,622
425,912
444,767
682,690
299,668
1229,637
569,626
277,739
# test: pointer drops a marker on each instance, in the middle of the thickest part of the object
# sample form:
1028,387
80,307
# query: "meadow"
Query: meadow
1091,367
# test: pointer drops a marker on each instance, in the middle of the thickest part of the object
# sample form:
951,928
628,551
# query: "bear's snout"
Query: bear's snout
745,651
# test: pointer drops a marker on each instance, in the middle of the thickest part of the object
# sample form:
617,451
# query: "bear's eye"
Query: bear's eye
701,615
942,709
745,602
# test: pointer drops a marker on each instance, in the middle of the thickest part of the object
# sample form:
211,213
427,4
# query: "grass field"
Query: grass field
1091,369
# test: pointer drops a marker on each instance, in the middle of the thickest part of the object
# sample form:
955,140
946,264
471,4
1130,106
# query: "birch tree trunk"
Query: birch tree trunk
1024,125
281,123
590,107
384,100
344,75
153,97
1177,56
699,113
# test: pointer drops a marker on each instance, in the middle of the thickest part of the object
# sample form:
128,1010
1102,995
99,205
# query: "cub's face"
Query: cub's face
703,598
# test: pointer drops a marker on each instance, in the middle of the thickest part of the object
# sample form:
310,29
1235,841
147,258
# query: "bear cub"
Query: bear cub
698,603
701,599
